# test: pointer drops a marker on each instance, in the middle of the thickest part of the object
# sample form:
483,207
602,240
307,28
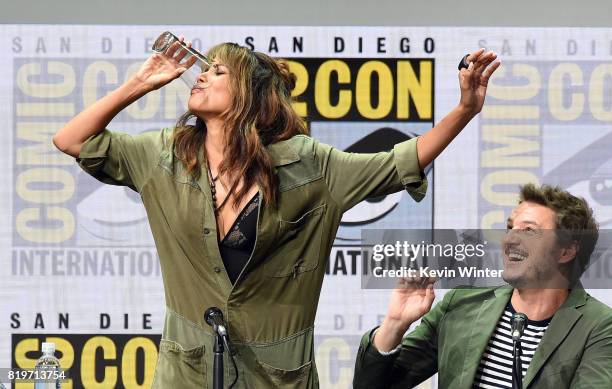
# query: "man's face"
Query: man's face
531,251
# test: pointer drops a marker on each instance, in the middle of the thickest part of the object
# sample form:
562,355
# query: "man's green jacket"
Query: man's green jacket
575,352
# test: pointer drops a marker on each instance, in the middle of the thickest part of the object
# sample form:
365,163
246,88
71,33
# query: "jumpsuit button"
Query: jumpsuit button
206,231
217,269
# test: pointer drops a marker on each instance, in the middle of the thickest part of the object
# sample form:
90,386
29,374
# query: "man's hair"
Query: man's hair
573,216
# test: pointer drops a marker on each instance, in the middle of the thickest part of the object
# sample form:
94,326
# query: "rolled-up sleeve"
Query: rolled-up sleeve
121,159
353,177
406,163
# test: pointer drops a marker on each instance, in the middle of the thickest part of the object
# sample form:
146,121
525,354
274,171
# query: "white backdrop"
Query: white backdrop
77,259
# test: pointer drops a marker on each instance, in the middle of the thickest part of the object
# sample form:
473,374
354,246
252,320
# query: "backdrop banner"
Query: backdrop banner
78,264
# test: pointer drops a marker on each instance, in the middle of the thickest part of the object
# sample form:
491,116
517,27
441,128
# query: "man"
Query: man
567,342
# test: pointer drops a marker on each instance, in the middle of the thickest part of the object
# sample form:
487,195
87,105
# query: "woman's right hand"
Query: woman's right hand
161,68
157,71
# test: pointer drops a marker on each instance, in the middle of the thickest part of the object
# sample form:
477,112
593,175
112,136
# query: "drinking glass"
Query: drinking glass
202,63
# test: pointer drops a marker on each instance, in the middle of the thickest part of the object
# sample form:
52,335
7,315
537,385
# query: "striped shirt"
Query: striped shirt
495,368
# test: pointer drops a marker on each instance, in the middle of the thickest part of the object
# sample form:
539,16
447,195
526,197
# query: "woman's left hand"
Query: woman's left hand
474,80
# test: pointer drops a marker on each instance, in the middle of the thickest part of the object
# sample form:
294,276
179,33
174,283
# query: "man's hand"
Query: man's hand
410,301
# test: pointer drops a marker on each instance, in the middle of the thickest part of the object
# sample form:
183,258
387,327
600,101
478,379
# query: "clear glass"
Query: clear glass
202,62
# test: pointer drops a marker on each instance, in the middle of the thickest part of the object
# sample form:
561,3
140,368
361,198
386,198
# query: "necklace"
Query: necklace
213,190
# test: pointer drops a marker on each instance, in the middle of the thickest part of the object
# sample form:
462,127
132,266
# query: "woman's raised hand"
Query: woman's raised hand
474,80
161,68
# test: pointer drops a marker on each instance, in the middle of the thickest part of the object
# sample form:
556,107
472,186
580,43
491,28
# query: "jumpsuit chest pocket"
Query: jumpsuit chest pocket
175,169
298,244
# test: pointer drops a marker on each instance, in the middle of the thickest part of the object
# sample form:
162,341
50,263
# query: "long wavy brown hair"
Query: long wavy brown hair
260,114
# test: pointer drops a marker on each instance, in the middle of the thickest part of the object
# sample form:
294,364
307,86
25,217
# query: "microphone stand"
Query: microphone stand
214,317
519,321
218,350
517,365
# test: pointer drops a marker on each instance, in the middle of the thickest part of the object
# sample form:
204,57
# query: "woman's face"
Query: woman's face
210,96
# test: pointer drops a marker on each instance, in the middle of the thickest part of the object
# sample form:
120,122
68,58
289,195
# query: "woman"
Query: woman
244,207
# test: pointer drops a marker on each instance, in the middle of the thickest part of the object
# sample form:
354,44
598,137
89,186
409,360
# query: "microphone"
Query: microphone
518,325
214,317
